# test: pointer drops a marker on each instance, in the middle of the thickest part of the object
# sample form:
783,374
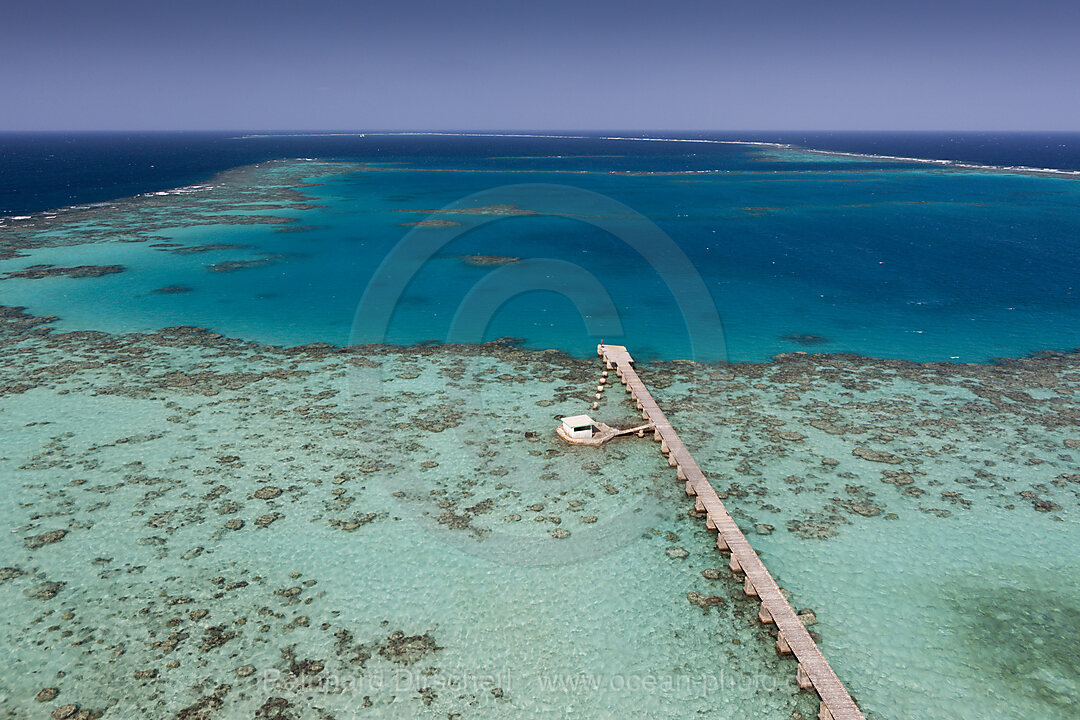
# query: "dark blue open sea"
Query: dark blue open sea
41,171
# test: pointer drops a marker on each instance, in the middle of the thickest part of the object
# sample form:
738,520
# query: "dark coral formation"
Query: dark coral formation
431,223
806,339
37,272
235,265
496,210
488,260
406,650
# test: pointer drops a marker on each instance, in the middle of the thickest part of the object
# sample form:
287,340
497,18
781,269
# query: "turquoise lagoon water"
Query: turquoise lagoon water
253,529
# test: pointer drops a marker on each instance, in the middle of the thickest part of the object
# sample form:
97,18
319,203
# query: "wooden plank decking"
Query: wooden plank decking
792,637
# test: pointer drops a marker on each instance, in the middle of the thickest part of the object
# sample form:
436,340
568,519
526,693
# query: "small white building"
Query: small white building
579,427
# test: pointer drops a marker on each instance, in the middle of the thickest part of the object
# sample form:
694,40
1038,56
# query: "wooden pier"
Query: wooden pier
813,671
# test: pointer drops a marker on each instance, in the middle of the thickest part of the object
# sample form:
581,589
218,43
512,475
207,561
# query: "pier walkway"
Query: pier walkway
792,638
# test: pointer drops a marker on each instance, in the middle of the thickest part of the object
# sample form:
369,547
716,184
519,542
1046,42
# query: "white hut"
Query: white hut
579,427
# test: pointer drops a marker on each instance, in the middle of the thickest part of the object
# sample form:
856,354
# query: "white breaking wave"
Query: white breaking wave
700,140
280,135
186,190
895,158
52,214
582,137
950,163
479,134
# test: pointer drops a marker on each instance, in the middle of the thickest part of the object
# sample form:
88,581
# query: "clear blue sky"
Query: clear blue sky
496,64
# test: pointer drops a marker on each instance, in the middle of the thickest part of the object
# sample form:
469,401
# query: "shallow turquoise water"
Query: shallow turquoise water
404,494
464,552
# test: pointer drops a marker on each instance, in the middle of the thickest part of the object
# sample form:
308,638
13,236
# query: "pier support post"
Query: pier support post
782,647
734,565
824,713
680,474
664,446
721,543
691,490
765,616
671,461
803,679
699,506
710,524
656,436
748,589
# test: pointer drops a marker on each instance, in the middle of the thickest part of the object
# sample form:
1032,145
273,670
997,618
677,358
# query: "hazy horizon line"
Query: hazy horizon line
497,131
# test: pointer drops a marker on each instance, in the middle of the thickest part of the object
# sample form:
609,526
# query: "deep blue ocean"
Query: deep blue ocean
41,171
859,249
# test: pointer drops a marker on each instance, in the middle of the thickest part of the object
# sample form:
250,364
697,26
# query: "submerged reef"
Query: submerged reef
201,526
488,260
806,339
938,438
234,265
37,272
262,194
497,210
431,224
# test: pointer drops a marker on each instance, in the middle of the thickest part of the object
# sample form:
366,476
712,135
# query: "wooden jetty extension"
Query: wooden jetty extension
604,433
792,638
